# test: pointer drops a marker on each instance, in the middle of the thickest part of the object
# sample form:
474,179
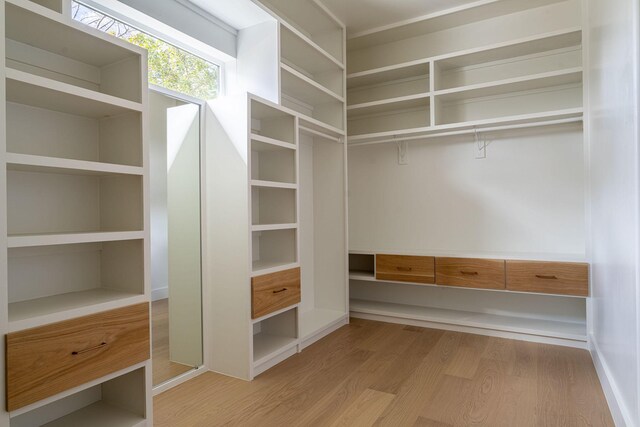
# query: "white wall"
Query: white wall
614,172
526,197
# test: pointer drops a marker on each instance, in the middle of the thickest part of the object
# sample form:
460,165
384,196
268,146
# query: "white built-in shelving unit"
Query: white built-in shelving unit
496,72
75,182
403,83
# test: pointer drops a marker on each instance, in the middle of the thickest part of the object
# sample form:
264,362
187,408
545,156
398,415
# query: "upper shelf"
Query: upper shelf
313,21
31,163
381,75
519,84
36,91
453,17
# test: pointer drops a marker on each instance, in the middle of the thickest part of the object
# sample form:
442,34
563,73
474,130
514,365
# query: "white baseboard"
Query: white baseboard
471,330
619,412
160,293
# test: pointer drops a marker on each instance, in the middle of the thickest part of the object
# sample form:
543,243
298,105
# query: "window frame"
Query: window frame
161,31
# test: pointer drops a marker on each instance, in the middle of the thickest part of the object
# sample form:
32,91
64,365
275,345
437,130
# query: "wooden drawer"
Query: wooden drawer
470,273
47,360
405,268
274,291
563,278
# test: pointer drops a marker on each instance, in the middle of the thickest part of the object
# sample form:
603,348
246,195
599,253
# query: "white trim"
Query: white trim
160,293
176,381
321,333
471,330
619,412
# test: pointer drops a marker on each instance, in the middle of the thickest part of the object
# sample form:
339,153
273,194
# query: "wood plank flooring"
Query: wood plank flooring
379,374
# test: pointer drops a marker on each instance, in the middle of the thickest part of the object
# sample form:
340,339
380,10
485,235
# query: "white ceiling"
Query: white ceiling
361,15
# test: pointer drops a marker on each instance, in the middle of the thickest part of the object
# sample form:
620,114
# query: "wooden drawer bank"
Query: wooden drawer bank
47,360
563,278
274,291
405,268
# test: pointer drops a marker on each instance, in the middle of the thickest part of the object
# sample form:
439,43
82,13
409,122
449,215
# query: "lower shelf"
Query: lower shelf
267,346
545,328
100,414
318,319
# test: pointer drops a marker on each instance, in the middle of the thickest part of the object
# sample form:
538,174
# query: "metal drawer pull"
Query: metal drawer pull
86,350
469,273
404,268
540,276
281,290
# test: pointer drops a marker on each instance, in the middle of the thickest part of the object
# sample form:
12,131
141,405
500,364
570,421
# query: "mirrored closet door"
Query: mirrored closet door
174,130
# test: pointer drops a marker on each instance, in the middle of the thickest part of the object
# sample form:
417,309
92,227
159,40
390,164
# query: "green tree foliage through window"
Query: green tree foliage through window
169,66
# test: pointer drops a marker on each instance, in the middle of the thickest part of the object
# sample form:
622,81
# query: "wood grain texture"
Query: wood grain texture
405,268
563,278
47,360
369,373
470,272
274,291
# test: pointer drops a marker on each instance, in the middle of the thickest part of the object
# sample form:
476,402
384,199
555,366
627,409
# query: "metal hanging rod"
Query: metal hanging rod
473,130
320,134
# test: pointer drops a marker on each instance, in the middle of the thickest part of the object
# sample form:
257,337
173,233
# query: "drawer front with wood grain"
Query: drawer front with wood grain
48,360
272,292
405,268
470,273
562,278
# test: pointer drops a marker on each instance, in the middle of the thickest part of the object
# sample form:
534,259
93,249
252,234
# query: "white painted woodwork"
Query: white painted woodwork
75,181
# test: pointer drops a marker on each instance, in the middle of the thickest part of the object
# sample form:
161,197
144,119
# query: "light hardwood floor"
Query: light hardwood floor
163,368
370,373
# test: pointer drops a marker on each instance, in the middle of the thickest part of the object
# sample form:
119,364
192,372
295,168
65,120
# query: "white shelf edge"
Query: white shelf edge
386,309
69,89
505,82
274,227
22,241
275,313
362,276
275,269
103,410
317,86
532,118
388,68
87,309
78,389
311,43
271,141
273,184
71,164
388,101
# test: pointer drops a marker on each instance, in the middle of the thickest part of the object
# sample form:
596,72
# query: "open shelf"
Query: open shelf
361,266
274,247
262,143
411,70
274,227
407,114
301,87
274,335
576,331
509,86
271,206
270,122
299,55
51,283
262,267
541,53
116,402
57,203
384,106
277,165
76,54
30,89
28,240
273,184
43,164
314,22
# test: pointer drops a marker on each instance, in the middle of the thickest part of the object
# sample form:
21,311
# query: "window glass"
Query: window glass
169,67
